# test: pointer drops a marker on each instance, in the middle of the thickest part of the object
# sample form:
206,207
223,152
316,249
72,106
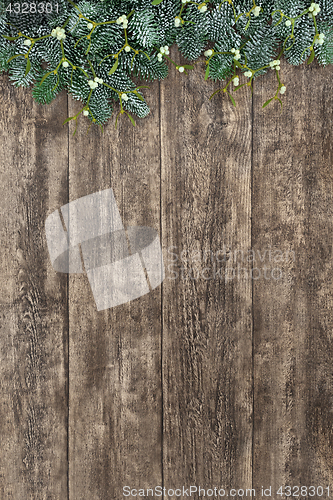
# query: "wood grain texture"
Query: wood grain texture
33,300
115,355
207,322
214,379
292,212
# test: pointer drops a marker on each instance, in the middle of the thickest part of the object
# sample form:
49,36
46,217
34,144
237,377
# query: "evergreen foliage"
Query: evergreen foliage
97,49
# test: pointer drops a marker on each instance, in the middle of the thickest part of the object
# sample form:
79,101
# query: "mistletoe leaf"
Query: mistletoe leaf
45,76
267,102
28,67
131,118
312,56
114,67
232,99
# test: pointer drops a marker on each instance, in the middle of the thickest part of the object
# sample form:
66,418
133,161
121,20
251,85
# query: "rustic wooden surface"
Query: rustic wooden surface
205,381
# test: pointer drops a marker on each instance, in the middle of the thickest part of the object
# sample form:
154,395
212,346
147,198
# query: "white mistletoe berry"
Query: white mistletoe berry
92,84
100,80
59,33
27,42
127,48
202,9
278,68
181,69
85,112
159,57
124,97
90,26
283,89
177,22
288,23
166,49
122,20
256,11
275,64
208,53
314,9
235,81
248,74
233,50
65,64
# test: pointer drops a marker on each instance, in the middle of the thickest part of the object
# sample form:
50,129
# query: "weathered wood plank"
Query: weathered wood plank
115,354
293,212
207,339
33,300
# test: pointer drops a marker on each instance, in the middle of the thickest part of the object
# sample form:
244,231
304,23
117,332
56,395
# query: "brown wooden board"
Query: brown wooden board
292,219
33,300
207,319
219,382
115,355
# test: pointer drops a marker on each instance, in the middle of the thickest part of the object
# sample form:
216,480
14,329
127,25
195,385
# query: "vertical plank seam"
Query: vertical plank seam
252,286
161,234
67,280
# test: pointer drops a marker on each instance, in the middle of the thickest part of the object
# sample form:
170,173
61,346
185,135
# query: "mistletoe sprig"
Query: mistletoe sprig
97,49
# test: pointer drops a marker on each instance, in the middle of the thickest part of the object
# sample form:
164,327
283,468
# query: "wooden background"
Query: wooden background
202,382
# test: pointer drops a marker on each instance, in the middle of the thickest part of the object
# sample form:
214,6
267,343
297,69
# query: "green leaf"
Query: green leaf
312,56
138,95
114,67
11,37
117,119
187,66
239,87
69,119
27,69
45,76
131,118
147,56
214,93
75,126
267,102
232,99
156,2
13,57
207,72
